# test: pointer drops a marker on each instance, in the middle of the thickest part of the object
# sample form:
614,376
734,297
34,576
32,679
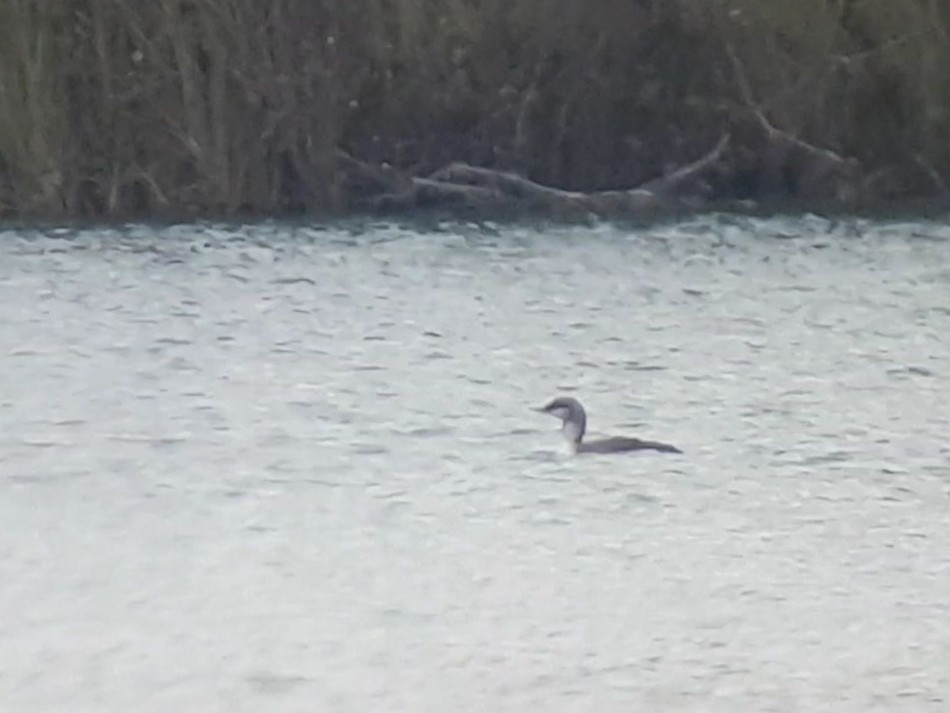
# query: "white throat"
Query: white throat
572,433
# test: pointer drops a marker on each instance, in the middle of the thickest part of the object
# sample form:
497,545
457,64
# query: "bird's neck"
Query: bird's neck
573,432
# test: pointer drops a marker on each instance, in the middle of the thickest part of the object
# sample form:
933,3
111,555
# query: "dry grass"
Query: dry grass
218,107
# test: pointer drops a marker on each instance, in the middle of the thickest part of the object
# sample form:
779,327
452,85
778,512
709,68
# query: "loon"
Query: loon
574,422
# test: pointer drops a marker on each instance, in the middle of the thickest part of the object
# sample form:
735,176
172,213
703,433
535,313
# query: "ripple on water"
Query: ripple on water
300,462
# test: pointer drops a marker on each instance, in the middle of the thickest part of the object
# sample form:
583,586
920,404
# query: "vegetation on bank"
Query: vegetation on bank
218,107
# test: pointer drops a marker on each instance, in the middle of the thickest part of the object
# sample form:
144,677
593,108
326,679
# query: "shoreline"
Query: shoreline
937,210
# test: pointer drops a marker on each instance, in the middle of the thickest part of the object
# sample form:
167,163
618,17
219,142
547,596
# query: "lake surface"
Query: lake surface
278,468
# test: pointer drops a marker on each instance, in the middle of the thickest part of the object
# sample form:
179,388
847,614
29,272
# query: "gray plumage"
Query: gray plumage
574,424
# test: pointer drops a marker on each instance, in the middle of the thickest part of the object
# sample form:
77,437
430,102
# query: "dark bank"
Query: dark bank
618,108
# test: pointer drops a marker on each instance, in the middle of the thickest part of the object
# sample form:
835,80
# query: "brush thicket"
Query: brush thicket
219,107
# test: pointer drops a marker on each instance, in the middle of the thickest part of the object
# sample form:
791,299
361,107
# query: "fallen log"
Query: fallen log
785,164
485,190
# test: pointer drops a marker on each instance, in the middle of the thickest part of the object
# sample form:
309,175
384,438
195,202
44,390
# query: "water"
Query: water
295,469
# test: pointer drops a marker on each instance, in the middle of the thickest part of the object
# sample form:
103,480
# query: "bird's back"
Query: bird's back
621,444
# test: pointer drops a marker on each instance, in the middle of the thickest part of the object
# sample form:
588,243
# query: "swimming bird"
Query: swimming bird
574,423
